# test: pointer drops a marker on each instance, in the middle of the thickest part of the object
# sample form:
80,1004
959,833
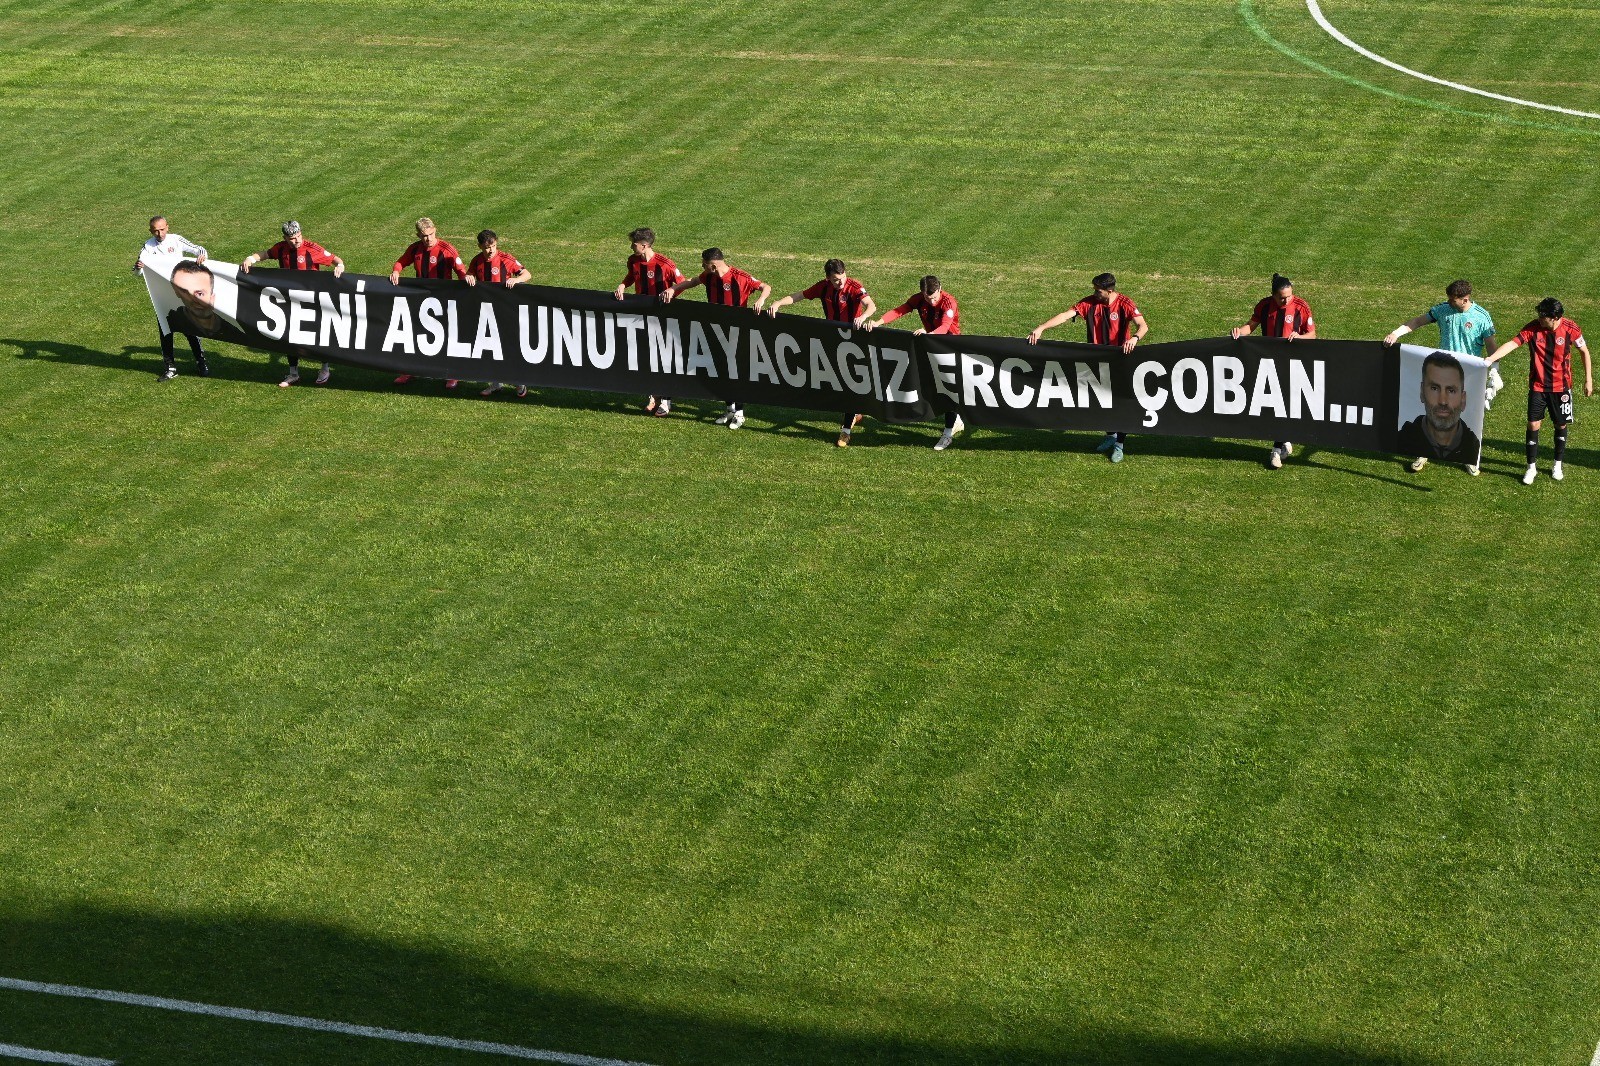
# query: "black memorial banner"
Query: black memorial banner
1344,394
1335,393
564,338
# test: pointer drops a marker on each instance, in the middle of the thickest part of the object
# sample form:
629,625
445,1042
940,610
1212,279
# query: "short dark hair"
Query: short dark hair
833,266
928,285
157,218
1550,307
189,266
643,235
1457,289
1279,283
485,236
1108,282
711,253
1444,359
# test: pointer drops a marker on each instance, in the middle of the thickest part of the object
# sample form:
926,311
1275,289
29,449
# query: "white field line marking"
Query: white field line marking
294,1021
1316,13
12,1051
1596,1060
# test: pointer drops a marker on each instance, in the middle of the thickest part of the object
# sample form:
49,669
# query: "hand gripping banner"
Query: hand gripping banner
1344,394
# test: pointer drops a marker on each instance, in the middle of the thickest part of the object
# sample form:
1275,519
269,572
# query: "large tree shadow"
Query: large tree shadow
325,972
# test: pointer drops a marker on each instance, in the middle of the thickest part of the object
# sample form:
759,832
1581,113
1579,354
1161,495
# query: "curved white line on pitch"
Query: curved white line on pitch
1333,31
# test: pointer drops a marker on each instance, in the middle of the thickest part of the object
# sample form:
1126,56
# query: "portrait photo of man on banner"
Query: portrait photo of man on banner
1441,405
194,298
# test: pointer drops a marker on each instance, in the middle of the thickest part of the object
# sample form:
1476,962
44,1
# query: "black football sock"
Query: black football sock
1122,438
950,419
1561,443
167,355
1533,446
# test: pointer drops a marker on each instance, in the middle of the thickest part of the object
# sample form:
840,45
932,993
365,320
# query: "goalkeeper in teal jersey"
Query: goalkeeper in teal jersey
1464,328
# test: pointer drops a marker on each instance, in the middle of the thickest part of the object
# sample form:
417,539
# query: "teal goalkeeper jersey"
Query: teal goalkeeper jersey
1462,332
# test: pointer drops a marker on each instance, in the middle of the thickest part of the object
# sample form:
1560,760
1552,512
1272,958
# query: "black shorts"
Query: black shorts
1558,404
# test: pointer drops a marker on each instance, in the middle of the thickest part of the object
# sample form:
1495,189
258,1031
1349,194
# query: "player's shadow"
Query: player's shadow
147,359
572,1004
1503,456
269,368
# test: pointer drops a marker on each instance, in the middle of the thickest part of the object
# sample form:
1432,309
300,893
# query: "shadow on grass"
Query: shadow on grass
268,368
324,972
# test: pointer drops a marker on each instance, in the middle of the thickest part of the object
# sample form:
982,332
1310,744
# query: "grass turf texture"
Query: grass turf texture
555,725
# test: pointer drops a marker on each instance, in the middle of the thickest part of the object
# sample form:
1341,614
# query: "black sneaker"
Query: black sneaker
204,368
168,372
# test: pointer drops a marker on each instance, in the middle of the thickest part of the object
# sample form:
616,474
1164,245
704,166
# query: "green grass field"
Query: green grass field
545,723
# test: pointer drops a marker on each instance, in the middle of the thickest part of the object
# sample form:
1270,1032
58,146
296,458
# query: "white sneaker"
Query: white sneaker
945,440
1288,448
1418,463
1531,473
1474,469
293,378
724,418
1488,399
1556,473
1275,459
958,427
737,421
324,374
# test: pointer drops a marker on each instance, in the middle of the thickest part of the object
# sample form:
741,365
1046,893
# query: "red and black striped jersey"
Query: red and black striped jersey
1550,369
842,304
940,315
1108,323
1280,320
494,269
653,276
734,290
440,261
309,256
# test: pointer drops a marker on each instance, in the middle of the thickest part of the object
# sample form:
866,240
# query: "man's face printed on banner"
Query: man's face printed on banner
1444,398
197,290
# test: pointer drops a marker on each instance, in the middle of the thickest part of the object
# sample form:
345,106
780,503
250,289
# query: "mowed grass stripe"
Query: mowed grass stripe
542,718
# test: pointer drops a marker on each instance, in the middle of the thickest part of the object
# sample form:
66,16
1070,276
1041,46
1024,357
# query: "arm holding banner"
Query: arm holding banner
1406,327
1144,327
669,294
1246,329
784,301
1061,319
889,316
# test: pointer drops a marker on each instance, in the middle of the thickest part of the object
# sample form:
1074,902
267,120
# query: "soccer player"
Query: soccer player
163,240
1286,316
650,273
492,267
941,316
1464,328
1109,317
430,257
731,287
294,252
844,300
1550,339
